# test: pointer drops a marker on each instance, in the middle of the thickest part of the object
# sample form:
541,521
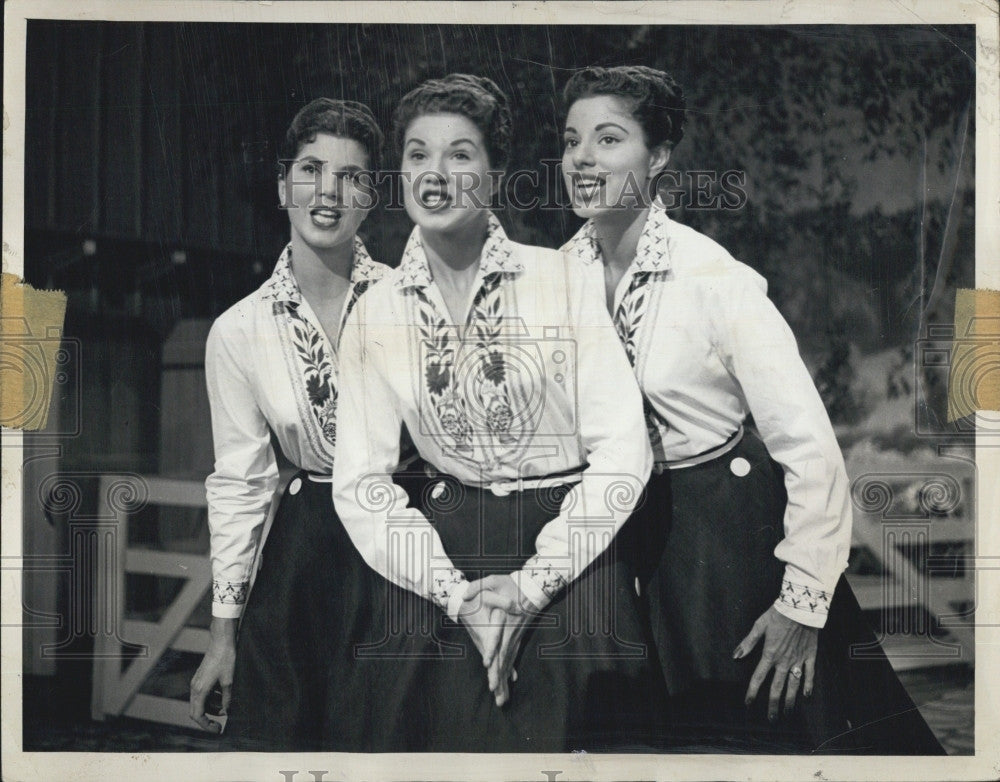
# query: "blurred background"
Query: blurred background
150,198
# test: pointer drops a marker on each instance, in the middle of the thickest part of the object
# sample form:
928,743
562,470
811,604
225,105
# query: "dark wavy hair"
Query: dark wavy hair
477,98
657,100
343,118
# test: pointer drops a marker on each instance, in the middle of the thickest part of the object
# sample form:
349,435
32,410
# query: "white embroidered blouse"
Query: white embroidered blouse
533,383
269,368
708,348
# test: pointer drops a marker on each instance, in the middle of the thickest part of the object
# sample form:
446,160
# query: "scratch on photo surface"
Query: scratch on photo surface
864,725
968,56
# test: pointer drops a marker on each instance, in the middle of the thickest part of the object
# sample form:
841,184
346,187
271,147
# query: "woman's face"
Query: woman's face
446,172
606,163
323,192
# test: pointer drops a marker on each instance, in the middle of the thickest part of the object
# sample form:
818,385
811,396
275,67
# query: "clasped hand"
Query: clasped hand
496,614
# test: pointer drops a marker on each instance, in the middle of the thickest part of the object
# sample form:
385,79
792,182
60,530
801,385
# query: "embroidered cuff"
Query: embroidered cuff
543,582
230,592
805,604
228,598
444,583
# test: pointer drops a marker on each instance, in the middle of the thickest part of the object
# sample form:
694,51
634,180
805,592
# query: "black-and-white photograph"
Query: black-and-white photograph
583,386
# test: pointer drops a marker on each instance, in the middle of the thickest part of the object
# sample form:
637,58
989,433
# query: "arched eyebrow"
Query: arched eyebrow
350,167
454,143
602,126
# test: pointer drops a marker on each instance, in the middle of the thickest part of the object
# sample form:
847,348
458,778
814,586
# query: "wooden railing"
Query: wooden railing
127,650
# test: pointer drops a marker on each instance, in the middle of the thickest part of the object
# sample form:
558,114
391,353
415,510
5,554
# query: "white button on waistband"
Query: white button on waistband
439,489
740,467
294,486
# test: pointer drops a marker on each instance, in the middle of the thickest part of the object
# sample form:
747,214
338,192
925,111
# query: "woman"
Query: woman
744,536
271,364
510,380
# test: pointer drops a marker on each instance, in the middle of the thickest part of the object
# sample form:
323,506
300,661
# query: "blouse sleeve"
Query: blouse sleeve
240,489
760,351
371,506
612,430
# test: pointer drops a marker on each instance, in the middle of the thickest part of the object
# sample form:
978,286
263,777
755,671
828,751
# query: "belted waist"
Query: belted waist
327,477
705,456
501,488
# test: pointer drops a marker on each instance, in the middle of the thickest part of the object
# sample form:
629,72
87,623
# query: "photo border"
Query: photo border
19,765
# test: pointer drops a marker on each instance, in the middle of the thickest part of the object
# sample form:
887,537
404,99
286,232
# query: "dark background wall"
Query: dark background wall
159,137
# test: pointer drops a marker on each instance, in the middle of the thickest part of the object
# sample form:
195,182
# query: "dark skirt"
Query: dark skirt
296,685
585,677
703,545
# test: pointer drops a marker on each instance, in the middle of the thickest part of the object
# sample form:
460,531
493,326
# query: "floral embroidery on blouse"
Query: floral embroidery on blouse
318,373
314,369
440,342
651,264
805,598
627,319
494,395
466,375
629,314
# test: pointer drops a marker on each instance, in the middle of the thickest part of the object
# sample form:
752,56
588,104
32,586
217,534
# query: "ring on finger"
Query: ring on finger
796,671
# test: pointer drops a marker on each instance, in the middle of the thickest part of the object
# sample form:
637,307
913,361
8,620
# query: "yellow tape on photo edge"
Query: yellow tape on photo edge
31,323
974,374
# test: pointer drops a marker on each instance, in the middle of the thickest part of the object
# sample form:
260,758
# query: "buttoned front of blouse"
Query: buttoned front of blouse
269,368
533,384
709,348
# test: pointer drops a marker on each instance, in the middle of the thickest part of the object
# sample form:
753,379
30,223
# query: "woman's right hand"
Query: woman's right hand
482,613
490,609
216,667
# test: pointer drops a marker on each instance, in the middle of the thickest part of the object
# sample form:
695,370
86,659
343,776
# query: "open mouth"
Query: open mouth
586,188
325,216
435,199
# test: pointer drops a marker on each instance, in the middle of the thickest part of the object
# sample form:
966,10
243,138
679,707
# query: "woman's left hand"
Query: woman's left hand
501,671
790,649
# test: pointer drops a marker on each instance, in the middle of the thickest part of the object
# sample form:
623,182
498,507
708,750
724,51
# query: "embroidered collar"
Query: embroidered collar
497,256
283,287
651,253
365,269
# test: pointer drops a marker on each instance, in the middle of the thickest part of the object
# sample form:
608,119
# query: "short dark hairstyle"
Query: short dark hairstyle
657,100
477,98
343,118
